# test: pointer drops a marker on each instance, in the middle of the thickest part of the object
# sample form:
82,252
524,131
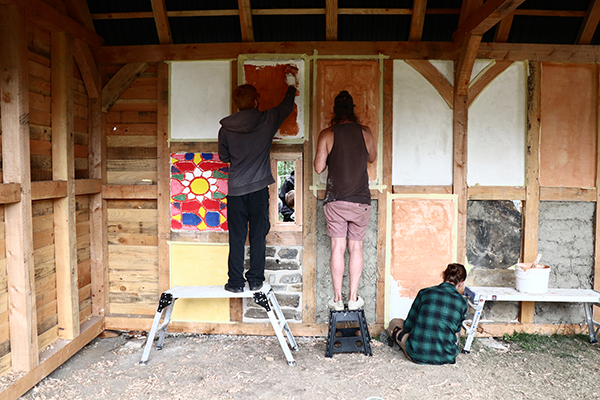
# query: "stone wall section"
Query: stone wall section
283,271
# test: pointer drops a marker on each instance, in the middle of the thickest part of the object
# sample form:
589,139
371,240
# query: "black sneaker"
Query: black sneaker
234,289
255,285
385,338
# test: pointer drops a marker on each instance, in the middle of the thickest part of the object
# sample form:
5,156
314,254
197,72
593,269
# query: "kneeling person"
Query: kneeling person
429,335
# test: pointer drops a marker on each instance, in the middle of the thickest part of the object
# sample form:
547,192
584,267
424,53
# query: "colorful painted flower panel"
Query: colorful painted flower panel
198,192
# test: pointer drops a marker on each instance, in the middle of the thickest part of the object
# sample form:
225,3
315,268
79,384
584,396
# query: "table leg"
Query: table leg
590,322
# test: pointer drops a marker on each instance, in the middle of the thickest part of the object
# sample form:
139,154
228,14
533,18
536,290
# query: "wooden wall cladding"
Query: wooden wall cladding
45,272
133,224
40,116
4,328
84,273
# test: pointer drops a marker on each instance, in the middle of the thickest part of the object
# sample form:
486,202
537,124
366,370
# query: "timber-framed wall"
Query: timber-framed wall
85,193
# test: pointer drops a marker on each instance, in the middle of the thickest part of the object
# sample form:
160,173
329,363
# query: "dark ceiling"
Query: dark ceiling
134,22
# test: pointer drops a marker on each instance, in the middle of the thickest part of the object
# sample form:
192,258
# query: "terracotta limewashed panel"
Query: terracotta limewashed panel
198,192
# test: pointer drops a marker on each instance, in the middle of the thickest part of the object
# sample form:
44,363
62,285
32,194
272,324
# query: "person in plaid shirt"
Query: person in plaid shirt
429,335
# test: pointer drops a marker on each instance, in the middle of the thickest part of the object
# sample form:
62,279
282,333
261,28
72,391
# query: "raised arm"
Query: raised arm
324,146
370,143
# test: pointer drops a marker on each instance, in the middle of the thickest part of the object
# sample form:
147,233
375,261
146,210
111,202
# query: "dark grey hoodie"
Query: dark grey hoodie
245,143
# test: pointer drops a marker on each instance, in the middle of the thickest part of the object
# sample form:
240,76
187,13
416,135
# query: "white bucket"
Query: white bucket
533,280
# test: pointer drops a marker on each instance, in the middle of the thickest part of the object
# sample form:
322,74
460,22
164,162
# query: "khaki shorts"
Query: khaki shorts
347,219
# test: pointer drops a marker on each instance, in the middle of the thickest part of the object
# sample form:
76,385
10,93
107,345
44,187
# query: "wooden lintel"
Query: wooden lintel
88,186
417,20
246,20
119,82
435,77
475,88
53,358
52,19
464,65
567,194
503,29
129,192
159,9
488,15
209,51
41,190
87,67
331,20
408,189
496,193
10,193
590,23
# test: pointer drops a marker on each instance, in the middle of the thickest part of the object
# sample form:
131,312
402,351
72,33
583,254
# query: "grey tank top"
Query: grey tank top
347,177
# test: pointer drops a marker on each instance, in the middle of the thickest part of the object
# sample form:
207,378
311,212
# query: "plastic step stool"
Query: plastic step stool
349,338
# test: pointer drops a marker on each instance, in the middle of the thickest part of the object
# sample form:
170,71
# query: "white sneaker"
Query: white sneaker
356,305
336,305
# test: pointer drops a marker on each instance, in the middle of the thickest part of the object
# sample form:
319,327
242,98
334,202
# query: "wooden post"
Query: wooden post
459,171
597,219
532,196
63,168
98,207
14,103
163,184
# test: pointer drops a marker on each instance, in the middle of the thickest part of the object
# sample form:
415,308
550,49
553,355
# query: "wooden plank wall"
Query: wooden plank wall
132,219
4,328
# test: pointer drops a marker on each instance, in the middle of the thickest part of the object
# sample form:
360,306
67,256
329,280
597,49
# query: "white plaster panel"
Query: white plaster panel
200,96
497,125
446,68
422,143
478,67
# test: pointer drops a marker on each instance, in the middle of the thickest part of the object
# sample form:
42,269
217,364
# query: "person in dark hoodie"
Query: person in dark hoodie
245,140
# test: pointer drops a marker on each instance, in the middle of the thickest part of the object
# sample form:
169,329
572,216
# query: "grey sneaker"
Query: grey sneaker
356,305
336,305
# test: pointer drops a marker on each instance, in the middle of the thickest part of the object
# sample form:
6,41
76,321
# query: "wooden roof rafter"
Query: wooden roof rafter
417,20
331,20
80,12
503,29
590,23
159,11
245,11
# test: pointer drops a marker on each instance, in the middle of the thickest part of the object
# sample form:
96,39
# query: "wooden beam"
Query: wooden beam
331,20
10,193
159,10
80,12
486,16
475,88
532,176
198,51
50,18
567,194
503,29
88,186
435,77
409,189
590,23
14,108
468,8
42,190
129,192
164,177
496,193
245,10
53,358
417,20
596,312
464,66
459,170
539,52
119,82
63,168
87,67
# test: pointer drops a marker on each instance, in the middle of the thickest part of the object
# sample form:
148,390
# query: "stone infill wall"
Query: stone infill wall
283,271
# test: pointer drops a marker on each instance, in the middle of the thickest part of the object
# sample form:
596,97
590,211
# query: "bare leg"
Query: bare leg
338,248
355,266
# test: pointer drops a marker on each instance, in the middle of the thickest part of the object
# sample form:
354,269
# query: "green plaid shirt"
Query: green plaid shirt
432,323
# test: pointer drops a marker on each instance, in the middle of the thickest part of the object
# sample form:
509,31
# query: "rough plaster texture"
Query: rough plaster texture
566,242
368,282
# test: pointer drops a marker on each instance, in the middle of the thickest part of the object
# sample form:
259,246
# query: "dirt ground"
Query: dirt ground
215,367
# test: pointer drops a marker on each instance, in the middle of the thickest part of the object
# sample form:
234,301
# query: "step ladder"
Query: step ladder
264,297
354,336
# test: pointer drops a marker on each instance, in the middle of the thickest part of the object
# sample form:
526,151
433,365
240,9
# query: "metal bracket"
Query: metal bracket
261,299
165,301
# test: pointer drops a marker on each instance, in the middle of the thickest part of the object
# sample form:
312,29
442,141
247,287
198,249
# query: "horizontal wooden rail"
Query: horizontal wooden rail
41,190
87,186
10,193
496,193
129,192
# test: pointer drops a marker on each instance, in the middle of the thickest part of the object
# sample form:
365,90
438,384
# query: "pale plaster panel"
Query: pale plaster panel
497,128
422,146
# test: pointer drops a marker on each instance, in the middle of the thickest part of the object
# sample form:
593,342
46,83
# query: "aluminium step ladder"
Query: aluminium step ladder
264,297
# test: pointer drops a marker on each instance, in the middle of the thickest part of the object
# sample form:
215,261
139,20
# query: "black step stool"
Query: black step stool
348,339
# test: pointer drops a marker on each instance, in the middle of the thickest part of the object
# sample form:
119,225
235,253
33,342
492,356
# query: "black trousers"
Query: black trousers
248,213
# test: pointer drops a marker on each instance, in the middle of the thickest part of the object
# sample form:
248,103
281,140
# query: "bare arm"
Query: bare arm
370,143
324,146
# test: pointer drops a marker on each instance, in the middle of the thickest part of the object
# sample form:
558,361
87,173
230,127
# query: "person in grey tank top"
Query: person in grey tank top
346,148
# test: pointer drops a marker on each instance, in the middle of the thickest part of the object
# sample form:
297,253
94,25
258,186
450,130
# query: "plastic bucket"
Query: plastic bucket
533,280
